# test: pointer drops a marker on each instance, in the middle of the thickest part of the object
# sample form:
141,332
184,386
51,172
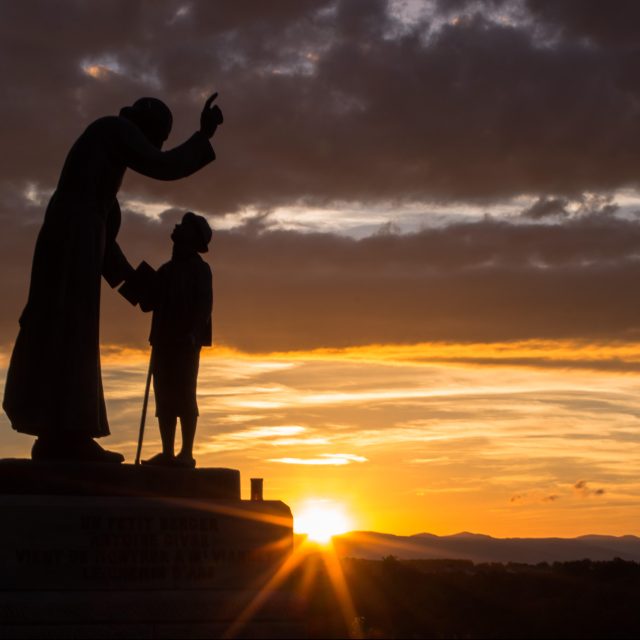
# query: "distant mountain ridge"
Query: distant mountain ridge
482,548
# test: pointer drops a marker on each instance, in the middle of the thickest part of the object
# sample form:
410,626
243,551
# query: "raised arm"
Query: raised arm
142,156
181,161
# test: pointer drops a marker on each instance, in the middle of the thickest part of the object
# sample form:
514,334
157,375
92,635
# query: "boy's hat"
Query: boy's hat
202,228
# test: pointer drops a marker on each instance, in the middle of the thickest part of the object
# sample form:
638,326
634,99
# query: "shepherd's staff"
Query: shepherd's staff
136,290
143,417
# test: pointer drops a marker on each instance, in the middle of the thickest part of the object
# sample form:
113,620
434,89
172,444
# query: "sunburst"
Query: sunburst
320,520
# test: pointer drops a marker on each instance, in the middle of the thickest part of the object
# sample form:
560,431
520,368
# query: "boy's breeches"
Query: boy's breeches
175,376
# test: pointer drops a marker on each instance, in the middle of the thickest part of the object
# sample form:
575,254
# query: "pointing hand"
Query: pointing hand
210,117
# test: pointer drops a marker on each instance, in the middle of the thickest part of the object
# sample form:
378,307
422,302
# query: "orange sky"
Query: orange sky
418,438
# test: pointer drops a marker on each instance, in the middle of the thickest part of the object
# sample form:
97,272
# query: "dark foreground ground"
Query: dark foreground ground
458,599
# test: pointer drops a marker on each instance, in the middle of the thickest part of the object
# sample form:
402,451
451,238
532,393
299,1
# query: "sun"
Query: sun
320,520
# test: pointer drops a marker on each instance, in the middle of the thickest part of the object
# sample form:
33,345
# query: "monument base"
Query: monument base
149,614
121,551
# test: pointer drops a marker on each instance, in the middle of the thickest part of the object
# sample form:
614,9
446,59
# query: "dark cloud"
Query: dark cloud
485,281
584,205
546,207
471,282
590,19
338,101
583,489
330,100
533,497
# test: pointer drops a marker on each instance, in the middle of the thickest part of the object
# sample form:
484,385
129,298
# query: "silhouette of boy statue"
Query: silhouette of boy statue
181,297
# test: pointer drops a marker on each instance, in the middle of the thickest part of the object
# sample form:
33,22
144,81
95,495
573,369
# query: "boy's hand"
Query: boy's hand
138,286
210,117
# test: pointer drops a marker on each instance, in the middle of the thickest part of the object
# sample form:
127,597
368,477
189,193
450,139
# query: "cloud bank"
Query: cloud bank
353,102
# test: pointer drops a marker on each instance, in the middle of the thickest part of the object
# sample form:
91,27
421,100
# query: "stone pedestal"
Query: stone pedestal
122,551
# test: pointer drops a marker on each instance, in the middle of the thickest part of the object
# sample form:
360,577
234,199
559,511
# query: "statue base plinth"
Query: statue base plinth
121,551
20,477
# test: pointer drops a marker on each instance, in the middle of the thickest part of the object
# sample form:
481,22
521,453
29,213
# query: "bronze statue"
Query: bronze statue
54,385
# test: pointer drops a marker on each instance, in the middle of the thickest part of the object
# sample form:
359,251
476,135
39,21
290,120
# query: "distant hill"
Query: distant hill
482,548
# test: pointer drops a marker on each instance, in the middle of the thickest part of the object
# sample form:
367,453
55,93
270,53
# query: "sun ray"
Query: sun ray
341,589
263,594
236,512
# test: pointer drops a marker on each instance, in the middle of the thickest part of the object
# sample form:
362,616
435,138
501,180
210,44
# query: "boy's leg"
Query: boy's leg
189,405
163,385
188,425
168,434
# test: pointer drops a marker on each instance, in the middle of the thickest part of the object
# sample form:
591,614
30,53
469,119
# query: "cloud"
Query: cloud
582,489
587,204
481,433
533,497
590,19
267,432
324,459
337,100
353,102
484,281
546,207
